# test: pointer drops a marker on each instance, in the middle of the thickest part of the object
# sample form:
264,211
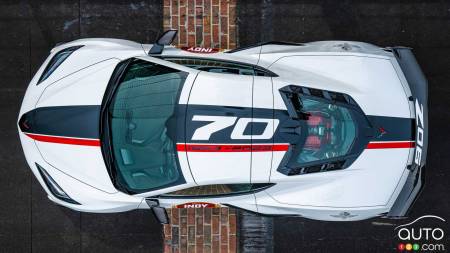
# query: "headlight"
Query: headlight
56,190
54,63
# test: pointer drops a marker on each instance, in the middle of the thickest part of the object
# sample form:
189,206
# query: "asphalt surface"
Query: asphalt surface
29,29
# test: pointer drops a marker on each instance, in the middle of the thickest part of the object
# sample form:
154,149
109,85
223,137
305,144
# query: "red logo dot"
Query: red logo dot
401,246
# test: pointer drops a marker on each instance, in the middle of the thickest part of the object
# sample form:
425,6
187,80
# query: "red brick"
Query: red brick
216,211
182,2
191,235
191,40
183,244
224,248
232,35
191,7
199,12
232,223
207,40
199,244
174,22
191,249
207,215
199,23
207,24
224,25
175,235
206,248
174,7
223,234
175,217
199,2
215,245
216,2
182,35
223,7
207,7
199,225
183,225
175,249
191,24
224,41
198,211
231,211
215,39
224,215
191,216
199,42
183,15
215,15
232,14
207,233
166,3
215,224
167,230
232,242
167,248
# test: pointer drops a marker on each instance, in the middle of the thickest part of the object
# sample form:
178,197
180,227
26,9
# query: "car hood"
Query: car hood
65,124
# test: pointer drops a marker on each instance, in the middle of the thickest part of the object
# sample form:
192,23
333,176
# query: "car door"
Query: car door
218,156
218,144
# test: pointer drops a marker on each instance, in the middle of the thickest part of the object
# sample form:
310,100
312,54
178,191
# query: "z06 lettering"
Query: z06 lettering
221,122
419,138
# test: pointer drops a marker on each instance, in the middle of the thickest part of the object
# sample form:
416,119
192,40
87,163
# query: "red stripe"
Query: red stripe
393,144
64,140
231,147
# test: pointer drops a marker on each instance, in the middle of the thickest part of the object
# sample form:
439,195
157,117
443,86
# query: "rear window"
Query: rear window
329,130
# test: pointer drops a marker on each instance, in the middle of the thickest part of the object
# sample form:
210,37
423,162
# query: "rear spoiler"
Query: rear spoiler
419,95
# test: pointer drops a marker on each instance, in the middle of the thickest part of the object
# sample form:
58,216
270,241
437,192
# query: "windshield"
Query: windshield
142,127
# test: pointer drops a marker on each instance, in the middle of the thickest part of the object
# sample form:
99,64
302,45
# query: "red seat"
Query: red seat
315,140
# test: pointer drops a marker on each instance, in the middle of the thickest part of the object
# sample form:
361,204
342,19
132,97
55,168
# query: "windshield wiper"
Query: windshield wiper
105,139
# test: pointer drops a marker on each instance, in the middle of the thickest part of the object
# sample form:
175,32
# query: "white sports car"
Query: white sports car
328,130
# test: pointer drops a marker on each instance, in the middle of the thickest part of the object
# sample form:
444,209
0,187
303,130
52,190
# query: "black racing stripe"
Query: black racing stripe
83,122
69,121
384,128
392,128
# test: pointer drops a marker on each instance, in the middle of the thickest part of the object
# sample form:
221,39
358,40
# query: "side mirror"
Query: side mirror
160,213
165,39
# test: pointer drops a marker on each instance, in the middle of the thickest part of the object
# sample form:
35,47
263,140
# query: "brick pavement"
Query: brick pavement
211,24
201,230
205,23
